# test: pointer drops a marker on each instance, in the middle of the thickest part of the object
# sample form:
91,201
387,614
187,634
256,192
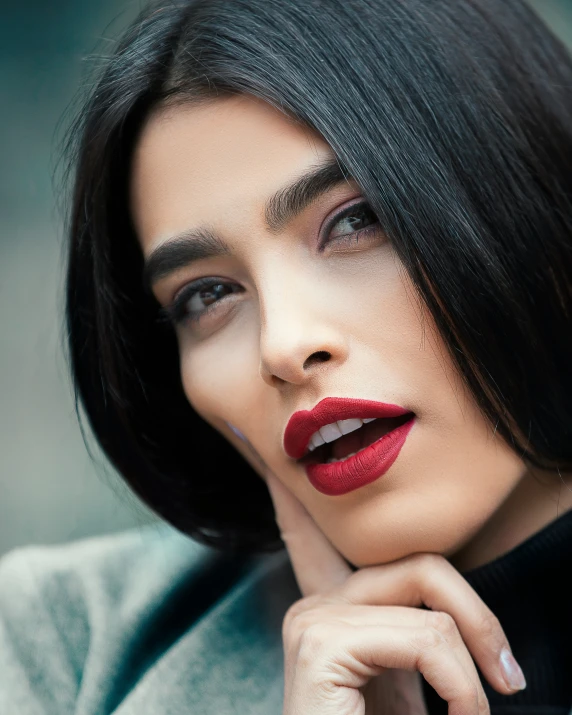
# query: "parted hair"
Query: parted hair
455,119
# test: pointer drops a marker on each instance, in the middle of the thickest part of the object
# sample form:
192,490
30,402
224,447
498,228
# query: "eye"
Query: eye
351,225
198,298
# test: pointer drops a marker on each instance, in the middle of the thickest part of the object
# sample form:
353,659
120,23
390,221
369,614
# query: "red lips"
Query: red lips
304,423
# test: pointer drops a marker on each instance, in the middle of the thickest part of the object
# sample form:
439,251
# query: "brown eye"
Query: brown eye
358,218
353,224
206,296
199,298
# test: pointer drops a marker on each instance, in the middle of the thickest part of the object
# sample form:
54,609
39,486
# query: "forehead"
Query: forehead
215,161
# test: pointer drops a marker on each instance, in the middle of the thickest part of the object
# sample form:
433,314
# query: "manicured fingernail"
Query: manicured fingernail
511,669
261,463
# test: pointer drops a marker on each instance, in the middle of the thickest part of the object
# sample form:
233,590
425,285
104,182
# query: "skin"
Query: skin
456,489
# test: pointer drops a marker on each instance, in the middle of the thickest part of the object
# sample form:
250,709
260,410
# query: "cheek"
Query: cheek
432,504
215,385
227,394
221,380
454,471
450,478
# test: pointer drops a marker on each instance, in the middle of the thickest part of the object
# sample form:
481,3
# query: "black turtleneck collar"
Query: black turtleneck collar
528,590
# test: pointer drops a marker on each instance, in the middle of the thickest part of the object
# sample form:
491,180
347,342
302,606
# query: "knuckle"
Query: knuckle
469,692
428,563
289,618
299,617
444,623
301,606
490,627
313,642
424,569
428,638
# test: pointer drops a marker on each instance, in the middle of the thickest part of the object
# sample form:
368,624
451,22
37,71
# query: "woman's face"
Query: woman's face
302,304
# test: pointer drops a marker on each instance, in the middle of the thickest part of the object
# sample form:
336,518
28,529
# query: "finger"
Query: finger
430,580
305,615
363,652
317,565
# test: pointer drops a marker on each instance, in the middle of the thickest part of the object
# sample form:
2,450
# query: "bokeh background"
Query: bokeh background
50,489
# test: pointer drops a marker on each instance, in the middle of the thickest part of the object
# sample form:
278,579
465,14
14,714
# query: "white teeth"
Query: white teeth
330,432
316,441
347,426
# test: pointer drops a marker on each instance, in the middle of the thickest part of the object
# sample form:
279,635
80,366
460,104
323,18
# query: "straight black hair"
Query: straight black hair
455,119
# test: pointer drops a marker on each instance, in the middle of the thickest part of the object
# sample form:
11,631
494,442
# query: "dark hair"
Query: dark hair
455,119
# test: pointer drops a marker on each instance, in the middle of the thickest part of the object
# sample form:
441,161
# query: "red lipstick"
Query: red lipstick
368,464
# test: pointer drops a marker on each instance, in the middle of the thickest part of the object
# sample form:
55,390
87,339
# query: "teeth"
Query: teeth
347,426
316,441
331,432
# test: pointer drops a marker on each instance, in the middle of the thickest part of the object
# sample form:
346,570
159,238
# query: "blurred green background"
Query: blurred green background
50,489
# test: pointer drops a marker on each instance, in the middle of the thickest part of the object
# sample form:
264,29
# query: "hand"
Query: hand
358,639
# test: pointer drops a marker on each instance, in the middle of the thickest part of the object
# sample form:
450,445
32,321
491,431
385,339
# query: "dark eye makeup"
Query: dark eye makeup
358,223
359,219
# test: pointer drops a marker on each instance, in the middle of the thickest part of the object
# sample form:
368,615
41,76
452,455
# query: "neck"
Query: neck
539,498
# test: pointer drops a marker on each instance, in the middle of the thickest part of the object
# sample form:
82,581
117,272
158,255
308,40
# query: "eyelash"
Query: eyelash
177,312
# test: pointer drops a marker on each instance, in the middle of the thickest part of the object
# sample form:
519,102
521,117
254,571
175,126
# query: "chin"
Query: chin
362,547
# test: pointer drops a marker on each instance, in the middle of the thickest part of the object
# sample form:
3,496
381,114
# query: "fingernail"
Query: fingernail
237,432
261,463
512,672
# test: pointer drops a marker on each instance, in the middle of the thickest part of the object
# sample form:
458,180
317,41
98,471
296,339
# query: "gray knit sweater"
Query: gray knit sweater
146,622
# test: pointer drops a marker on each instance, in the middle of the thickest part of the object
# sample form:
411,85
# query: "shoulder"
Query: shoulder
59,604
86,578
97,560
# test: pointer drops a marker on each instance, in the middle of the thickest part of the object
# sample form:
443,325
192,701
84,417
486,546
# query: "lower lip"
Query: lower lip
362,468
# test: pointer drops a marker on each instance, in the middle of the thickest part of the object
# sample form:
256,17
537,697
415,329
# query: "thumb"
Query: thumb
318,565
287,509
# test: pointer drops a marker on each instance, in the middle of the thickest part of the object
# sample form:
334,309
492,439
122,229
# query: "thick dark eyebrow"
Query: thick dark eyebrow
282,207
290,201
180,251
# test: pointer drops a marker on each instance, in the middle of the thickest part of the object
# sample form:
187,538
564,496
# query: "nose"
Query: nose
298,335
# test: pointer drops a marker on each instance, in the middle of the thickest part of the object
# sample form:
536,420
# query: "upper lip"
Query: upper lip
302,425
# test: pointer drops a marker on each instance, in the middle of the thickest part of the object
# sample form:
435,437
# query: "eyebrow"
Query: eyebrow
282,207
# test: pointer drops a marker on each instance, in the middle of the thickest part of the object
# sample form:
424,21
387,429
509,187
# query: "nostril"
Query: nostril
320,356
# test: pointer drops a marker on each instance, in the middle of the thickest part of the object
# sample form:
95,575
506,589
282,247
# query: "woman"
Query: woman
319,274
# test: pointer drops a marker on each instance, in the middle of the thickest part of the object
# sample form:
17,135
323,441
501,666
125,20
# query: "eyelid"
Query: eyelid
191,286
171,312
336,215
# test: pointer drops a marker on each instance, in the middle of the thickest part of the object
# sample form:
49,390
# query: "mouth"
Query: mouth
349,445
379,445
344,443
